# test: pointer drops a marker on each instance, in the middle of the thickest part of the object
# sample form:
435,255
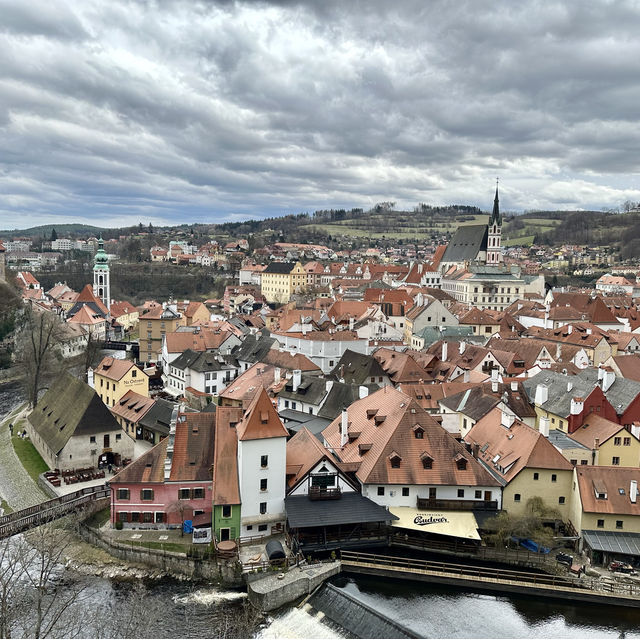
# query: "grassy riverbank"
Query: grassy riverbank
29,457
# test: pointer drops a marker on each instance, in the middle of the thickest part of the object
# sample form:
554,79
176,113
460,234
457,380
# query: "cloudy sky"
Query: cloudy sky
181,111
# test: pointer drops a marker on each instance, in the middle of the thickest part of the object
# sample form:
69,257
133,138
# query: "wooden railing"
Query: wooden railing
455,504
22,520
385,563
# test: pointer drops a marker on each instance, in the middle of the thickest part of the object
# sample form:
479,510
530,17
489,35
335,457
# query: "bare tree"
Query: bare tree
36,354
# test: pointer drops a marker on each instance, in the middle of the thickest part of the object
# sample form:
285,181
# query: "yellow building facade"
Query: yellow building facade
553,486
112,378
280,280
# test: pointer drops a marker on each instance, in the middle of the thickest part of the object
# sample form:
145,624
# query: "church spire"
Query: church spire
495,216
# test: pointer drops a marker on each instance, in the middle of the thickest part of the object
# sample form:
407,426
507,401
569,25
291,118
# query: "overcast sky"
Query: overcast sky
113,112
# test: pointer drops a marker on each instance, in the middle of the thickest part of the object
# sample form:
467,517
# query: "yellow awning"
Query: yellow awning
454,523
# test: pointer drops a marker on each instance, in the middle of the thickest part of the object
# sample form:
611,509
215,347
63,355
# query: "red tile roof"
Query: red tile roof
261,421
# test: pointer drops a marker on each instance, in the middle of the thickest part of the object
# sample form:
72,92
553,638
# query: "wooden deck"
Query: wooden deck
21,520
496,579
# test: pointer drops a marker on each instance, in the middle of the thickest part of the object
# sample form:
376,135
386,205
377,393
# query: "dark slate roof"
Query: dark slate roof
473,402
203,362
280,267
341,396
254,348
95,309
559,400
311,390
70,407
158,418
351,508
620,394
467,242
357,368
622,543
294,420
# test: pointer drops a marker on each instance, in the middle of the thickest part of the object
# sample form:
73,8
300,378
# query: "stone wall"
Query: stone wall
170,562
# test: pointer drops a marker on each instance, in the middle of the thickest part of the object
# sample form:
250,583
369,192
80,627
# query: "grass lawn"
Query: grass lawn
99,519
159,545
524,240
29,457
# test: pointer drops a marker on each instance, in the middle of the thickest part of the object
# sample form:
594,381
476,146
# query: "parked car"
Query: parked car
563,558
621,566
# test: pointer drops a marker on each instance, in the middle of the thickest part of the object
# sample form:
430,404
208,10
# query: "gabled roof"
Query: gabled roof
132,406
386,421
596,427
86,297
357,368
282,268
203,362
629,366
466,243
254,347
561,389
620,394
122,308
116,369
70,408
245,386
311,390
226,488
261,421
506,451
86,316
400,367
614,482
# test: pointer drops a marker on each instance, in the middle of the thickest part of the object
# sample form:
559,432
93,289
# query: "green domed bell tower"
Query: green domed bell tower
101,283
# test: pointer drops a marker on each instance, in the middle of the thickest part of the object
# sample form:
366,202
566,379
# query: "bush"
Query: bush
118,525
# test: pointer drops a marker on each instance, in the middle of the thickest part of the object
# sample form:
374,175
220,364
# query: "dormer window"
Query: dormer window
461,462
427,461
418,431
395,460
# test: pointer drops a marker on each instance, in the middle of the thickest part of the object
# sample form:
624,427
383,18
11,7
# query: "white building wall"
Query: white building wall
393,493
303,488
250,472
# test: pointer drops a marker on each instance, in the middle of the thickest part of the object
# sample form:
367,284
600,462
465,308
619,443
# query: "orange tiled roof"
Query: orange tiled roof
261,421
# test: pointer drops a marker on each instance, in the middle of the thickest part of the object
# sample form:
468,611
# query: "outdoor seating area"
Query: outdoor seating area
75,476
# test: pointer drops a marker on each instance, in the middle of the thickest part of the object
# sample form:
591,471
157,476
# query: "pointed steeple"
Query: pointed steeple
495,215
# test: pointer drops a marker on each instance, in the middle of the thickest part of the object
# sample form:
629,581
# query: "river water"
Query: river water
173,607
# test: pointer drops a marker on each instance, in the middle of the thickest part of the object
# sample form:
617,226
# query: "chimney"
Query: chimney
344,429
514,386
544,427
276,376
90,377
569,386
297,378
569,329
466,376
494,380
328,385
462,347
352,323
475,450
507,418
168,460
363,392
577,405
608,378
633,491
596,443
542,394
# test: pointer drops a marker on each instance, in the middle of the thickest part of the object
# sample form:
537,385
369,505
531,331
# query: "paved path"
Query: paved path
16,486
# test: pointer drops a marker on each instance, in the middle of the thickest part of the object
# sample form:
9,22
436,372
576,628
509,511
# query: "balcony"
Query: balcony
317,493
456,504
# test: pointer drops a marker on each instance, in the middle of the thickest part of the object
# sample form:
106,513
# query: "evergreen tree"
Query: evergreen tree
54,235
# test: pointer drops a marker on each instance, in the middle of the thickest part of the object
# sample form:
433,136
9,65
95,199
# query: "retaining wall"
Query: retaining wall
271,593
170,562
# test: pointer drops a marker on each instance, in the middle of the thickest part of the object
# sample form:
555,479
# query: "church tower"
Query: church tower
494,236
101,283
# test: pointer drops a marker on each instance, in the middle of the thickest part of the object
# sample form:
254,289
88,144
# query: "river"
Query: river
174,607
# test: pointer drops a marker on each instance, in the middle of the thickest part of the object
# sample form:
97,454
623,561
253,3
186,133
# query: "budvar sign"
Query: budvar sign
425,520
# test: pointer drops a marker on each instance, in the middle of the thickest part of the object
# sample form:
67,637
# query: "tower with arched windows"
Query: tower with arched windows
101,283
494,234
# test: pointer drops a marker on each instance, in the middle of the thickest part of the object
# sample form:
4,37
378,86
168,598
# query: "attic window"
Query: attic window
192,463
353,435
371,412
461,462
379,419
194,429
418,431
264,418
363,448
427,461
395,460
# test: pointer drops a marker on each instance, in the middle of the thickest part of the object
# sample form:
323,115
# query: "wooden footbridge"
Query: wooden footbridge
22,520
496,579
